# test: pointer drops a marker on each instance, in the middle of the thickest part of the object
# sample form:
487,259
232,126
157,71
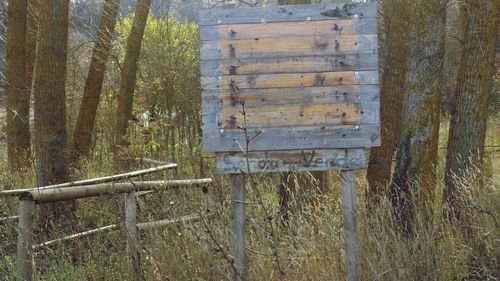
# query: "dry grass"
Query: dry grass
310,247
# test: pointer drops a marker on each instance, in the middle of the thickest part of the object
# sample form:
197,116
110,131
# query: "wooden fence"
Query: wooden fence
28,198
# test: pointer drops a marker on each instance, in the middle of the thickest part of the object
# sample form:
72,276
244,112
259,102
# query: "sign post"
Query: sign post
290,89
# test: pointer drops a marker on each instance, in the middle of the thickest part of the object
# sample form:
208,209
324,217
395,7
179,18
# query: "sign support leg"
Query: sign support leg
348,184
238,218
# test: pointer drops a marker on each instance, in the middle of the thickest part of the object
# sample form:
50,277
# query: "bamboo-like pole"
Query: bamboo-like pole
140,226
24,263
17,192
10,218
161,223
76,235
151,161
77,192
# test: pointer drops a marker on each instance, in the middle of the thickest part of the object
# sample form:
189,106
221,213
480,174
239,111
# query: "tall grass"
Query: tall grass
308,247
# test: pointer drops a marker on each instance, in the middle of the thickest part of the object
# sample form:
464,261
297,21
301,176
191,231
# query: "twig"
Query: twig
220,249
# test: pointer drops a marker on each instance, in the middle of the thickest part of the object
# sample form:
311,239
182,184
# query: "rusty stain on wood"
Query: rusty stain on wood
327,44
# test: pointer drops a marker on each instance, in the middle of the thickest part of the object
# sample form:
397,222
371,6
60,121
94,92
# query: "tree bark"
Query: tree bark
32,30
17,94
50,107
469,115
393,54
128,75
414,177
82,137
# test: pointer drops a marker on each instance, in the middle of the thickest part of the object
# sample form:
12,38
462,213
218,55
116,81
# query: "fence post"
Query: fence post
24,262
133,246
238,219
348,184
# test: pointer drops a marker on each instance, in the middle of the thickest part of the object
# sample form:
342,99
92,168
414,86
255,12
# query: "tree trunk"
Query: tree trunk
82,137
32,30
50,106
469,115
17,94
414,178
128,75
393,53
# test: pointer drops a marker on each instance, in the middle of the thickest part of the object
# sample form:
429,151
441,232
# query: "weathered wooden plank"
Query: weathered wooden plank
289,46
289,29
333,94
290,64
362,95
290,161
290,138
290,80
288,13
348,185
269,115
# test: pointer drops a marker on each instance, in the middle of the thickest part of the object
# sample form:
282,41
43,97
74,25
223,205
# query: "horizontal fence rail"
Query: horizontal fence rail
28,198
124,176
78,192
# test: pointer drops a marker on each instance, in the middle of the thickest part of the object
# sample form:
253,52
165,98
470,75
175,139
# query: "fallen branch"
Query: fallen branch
4,219
147,160
17,192
161,223
74,236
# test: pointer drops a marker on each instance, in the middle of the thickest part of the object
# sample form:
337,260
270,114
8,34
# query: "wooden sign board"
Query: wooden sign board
282,83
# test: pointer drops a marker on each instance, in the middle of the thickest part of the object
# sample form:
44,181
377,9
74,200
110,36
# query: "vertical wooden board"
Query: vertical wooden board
287,13
290,161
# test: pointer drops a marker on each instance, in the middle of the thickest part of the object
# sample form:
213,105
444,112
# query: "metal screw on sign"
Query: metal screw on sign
219,21
356,127
221,131
308,18
220,78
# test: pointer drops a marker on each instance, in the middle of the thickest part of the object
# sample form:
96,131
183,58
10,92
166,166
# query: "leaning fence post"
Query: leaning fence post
348,184
238,225
24,262
133,246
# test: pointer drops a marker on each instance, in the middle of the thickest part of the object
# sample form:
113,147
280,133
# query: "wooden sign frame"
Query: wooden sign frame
292,88
287,81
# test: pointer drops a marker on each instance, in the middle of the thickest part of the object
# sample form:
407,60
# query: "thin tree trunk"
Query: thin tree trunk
128,75
394,48
50,107
469,115
33,9
414,179
17,94
82,137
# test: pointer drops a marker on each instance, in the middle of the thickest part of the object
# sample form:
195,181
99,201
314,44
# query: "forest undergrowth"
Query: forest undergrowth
309,246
